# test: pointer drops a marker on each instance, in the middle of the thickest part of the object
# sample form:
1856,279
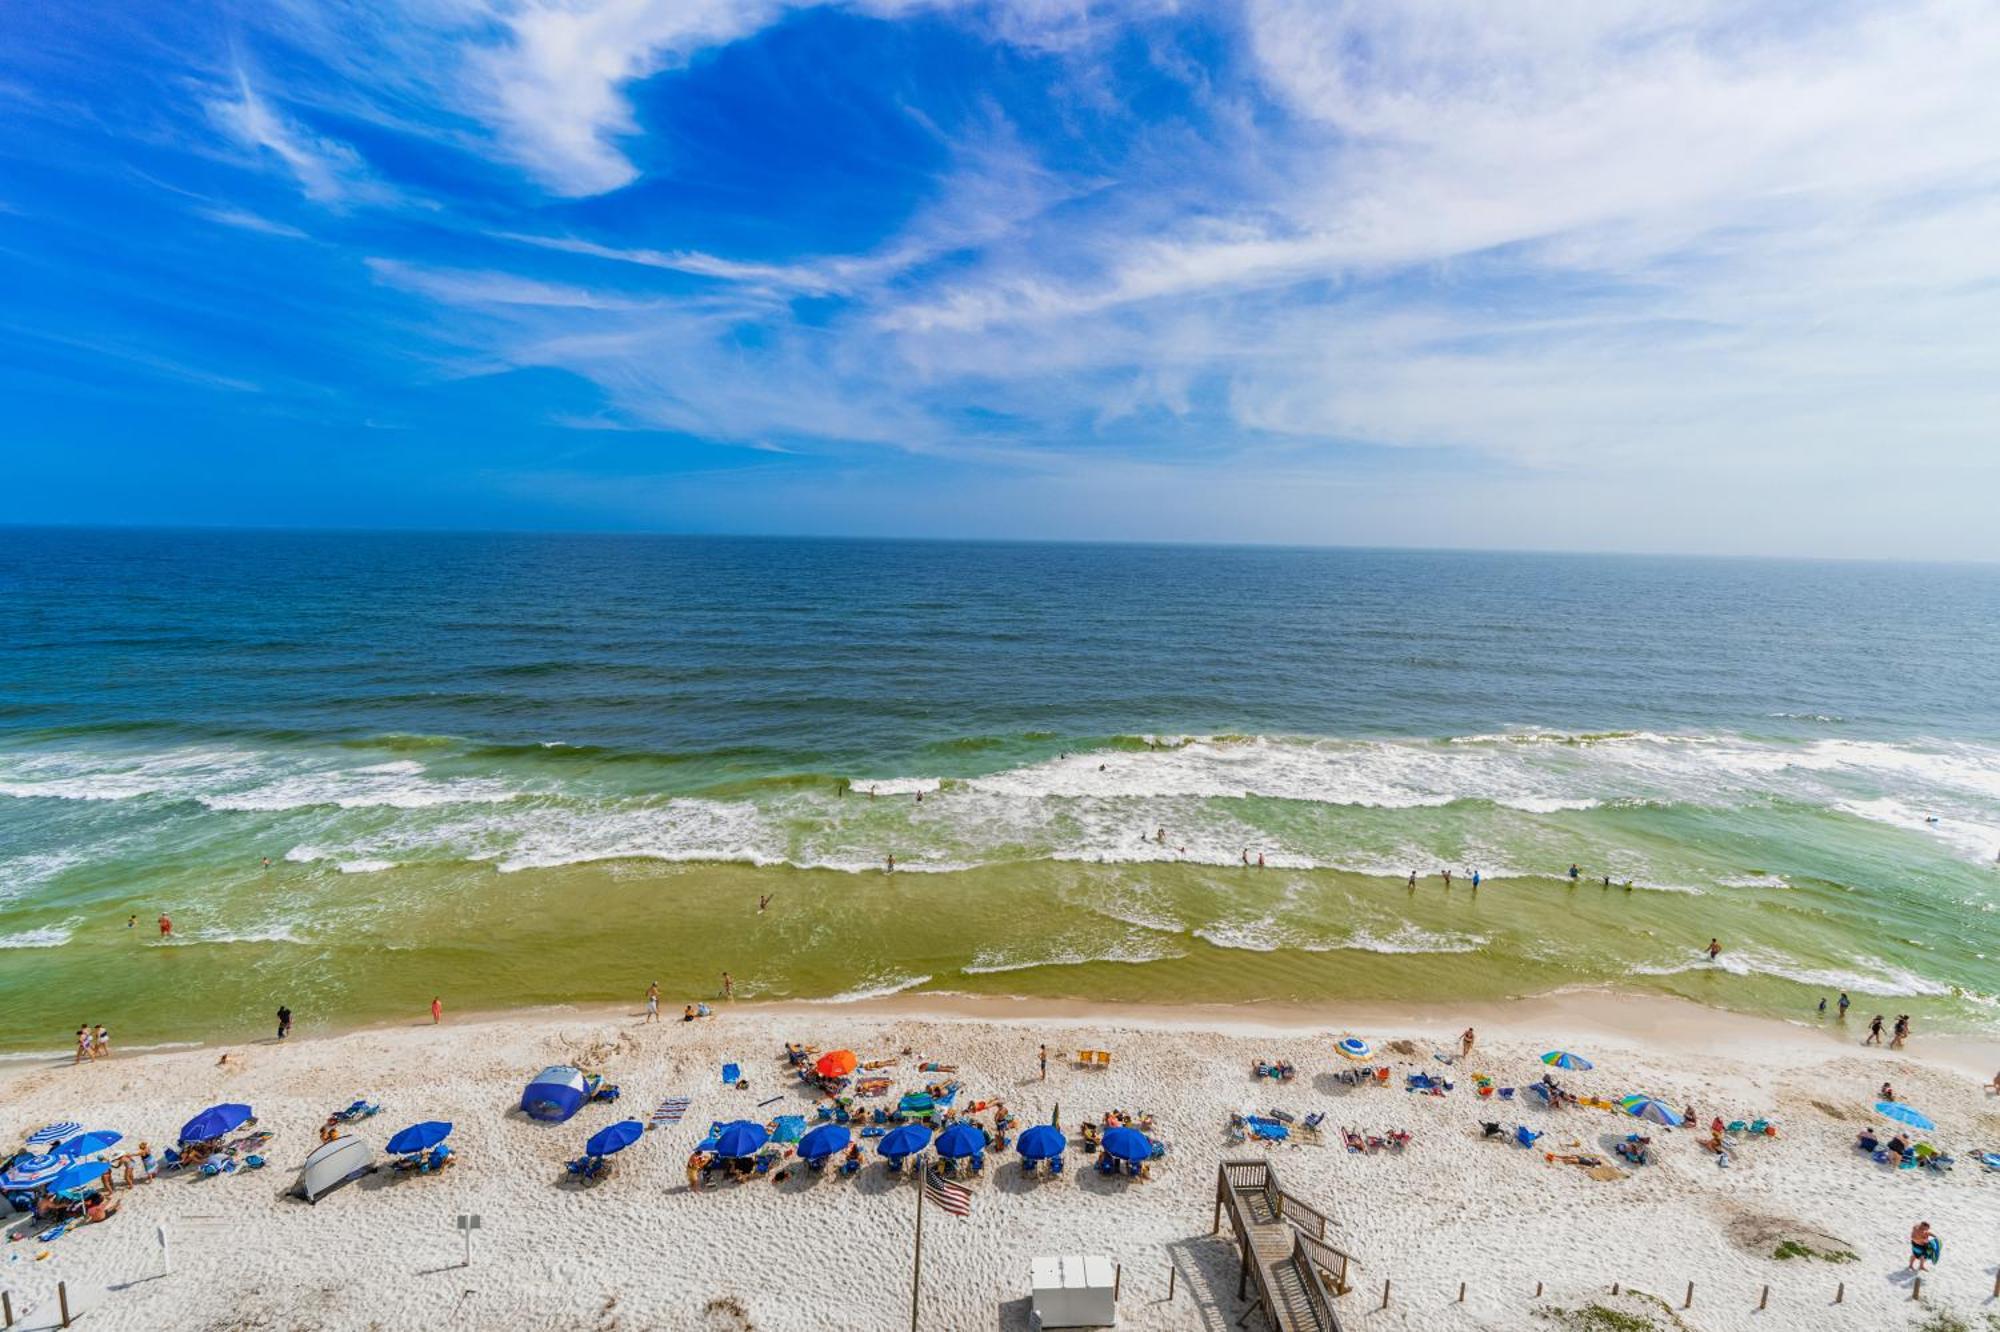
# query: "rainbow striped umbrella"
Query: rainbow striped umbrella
1646,1107
1564,1059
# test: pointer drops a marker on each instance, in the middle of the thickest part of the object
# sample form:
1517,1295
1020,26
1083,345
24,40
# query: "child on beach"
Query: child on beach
437,1009
653,1002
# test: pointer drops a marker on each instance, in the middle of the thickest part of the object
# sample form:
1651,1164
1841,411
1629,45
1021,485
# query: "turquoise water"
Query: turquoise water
466,755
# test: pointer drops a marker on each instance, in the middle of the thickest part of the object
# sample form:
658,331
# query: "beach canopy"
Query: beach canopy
89,1144
904,1139
554,1094
418,1138
1904,1114
31,1172
836,1064
78,1175
1128,1144
331,1165
824,1141
615,1138
1352,1047
740,1138
1564,1059
215,1121
961,1140
1043,1142
1651,1109
51,1134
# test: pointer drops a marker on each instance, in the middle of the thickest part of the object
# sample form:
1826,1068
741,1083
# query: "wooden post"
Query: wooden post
6,1309
1173,1275
1688,1303
1916,1290
1996,1283
1461,1292
1764,1299
1385,1292
1221,1182
1840,1292
917,1259
1117,1281
1538,1290
1614,1288
62,1300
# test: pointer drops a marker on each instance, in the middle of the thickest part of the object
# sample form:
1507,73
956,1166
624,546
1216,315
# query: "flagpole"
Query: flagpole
917,1263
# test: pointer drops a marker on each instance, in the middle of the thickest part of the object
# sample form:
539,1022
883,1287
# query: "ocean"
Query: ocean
525,769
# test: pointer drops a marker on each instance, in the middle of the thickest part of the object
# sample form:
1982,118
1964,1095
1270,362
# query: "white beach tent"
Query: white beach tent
333,1164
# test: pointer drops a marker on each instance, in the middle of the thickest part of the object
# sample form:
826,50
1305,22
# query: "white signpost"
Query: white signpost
467,1223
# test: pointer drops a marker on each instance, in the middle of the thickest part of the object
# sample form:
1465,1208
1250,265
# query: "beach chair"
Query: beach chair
1506,1093
1094,1058
1313,1121
587,1168
1525,1136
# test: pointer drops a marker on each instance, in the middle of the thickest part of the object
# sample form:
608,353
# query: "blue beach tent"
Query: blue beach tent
554,1094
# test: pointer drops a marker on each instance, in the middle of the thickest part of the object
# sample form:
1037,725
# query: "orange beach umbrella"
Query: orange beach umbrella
835,1064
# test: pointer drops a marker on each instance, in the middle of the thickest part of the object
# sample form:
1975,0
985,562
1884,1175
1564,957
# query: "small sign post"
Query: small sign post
166,1258
467,1223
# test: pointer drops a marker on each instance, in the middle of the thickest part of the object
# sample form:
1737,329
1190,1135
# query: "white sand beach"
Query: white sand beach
639,1250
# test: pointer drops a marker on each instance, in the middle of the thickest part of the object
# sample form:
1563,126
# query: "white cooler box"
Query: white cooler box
1075,1291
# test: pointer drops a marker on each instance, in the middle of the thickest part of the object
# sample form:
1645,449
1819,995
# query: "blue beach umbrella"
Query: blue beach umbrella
1564,1059
89,1144
824,1141
51,1134
1128,1144
78,1175
215,1121
904,1139
1043,1142
418,1138
615,1138
961,1140
1896,1110
740,1138
1650,1109
31,1172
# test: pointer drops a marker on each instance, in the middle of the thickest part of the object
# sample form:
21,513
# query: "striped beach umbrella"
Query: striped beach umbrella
1904,1114
50,1135
1352,1047
1564,1059
1647,1108
31,1172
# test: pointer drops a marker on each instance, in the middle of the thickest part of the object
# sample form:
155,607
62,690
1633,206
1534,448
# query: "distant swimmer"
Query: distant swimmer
763,900
892,862
1447,879
267,862
1607,881
1260,860
871,793
1160,836
1572,873
166,925
1844,1002
1246,855
132,921
1714,950
1930,818
1628,885
920,797
1475,881
1413,881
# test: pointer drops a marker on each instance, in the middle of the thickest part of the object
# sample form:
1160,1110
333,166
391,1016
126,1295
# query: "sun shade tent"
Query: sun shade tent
215,1121
554,1094
331,1165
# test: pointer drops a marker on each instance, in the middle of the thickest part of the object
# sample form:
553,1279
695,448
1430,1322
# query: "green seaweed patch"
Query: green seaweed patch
1792,1248
1603,1318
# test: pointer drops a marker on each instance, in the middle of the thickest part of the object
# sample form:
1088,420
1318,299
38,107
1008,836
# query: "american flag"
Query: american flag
952,1197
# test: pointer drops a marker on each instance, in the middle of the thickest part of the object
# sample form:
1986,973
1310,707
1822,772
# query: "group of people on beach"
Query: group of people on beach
92,1043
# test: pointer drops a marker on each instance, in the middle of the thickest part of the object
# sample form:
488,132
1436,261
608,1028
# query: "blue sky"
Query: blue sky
1686,275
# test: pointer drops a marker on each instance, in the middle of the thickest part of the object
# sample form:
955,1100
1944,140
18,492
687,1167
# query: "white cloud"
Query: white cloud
327,170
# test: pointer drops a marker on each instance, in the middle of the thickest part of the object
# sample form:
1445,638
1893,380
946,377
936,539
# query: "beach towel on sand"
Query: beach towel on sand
668,1111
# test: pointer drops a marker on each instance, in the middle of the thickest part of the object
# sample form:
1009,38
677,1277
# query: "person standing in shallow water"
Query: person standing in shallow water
1714,949
1844,1001
728,986
284,1021
1874,1030
437,1009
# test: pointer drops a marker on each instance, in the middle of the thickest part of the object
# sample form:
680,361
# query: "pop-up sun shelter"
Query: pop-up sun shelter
555,1094
333,1164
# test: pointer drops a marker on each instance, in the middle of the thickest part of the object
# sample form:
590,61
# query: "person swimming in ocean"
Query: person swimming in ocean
1713,950
1573,872
1475,881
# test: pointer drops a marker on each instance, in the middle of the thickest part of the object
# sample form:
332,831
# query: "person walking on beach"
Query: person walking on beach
1045,1064
437,1009
1844,1002
83,1045
166,925
1465,1040
728,986
1902,1031
1924,1247
653,1002
100,1043
284,1022
1714,949
1874,1030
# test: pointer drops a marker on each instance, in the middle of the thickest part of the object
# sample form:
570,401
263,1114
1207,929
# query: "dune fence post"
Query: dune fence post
1117,1281
6,1309
1916,1290
1385,1292
1764,1299
62,1300
1461,1292
1538,1290
1688,1303
1840,1292
1614,1288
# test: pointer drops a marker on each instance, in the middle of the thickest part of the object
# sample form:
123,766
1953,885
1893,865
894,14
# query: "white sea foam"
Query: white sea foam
1408,938
893,786
876,988
47,936
988,963
1874,976
364,866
